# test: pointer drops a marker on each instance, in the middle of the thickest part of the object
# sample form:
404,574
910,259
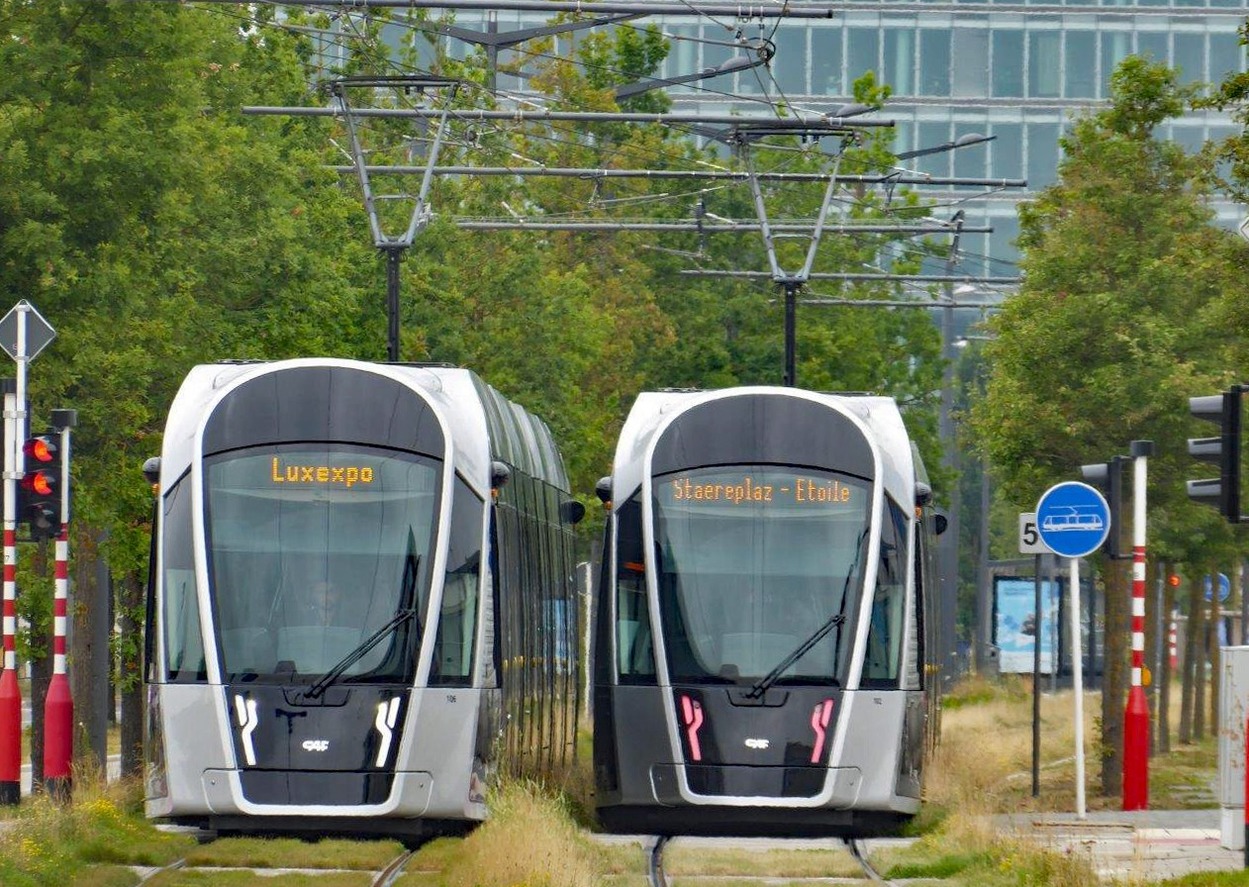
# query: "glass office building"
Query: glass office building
1017,72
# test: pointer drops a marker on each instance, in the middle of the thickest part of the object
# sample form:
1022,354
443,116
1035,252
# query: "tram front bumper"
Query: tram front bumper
303,792
835,788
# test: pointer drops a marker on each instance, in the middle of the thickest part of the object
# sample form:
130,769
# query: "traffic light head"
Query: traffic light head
1222,492
1108,477
41,486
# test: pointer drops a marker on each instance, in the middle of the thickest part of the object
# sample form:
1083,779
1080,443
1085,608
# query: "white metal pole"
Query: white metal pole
1077,683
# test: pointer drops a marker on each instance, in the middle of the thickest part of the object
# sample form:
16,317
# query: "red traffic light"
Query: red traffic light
1173,580
41,449
40,483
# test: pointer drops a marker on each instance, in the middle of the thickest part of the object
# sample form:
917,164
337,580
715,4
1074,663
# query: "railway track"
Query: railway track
388,875
657,878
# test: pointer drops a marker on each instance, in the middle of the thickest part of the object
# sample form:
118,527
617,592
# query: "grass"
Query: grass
530,840
536,836
983,768
85,842
335,853
217,878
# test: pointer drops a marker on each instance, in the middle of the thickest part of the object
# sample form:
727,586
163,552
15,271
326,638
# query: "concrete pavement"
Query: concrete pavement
1144,845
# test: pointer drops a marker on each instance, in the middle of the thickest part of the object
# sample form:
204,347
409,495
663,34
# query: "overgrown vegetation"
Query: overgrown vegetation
84,842
530,840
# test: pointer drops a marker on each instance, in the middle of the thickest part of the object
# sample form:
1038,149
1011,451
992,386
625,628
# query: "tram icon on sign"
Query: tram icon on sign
1072,520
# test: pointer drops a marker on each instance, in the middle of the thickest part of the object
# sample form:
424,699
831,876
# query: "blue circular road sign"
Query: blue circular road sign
1225,588
1073,519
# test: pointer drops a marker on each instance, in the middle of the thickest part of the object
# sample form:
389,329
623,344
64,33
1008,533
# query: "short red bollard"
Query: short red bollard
10,738
58,739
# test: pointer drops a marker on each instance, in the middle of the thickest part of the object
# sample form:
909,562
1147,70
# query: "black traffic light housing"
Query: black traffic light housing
1108,477
39,492
1222,492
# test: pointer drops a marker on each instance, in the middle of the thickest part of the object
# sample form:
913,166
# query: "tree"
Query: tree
155,228
1107,336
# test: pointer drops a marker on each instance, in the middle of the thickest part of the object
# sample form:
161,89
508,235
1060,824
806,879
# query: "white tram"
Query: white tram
360,600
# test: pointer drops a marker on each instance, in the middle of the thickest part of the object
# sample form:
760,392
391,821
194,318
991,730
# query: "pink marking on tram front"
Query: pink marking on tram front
820,717
692,712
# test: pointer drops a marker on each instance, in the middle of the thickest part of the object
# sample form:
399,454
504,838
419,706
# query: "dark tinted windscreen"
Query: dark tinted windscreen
753,560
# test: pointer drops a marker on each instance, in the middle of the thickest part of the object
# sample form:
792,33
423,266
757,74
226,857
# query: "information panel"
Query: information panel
1015,623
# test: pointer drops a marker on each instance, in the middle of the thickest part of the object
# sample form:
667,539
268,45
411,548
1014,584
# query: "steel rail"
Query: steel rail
856,850
655,866
387,876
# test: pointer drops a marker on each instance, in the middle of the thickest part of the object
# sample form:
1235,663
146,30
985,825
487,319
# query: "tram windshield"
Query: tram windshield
752,561
312,550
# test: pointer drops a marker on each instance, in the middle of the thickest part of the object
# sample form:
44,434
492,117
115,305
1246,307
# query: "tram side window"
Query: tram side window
184,640
635,648
881,663
457,623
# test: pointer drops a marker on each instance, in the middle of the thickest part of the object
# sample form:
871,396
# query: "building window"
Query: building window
1116,46
931,135
826,62
863,51
1153,45
1043,66
1226,56
934,63
1008,64
971,63
789,67
1190,57
1081,64
900,60
1007,149
1042,154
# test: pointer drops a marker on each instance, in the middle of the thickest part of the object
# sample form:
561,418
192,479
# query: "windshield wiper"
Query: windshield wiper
835,621
801,650
358,653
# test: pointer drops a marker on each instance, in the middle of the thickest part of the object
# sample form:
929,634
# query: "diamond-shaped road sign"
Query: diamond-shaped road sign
38,331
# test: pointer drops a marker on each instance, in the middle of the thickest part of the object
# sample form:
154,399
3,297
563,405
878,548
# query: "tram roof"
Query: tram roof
880,417
483,424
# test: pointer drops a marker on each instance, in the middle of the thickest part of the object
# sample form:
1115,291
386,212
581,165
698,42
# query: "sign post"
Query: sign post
1030,543
23,334
1074,520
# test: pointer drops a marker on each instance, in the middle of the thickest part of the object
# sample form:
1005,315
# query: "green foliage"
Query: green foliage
157,227
49,844
1111,331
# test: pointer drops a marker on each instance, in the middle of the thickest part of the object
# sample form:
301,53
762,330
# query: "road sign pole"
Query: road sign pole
10,692
1077,682
1074,520
1136,715
22,340
1039,620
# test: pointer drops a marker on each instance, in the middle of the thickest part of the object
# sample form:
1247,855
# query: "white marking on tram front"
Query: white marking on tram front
246,709
387,714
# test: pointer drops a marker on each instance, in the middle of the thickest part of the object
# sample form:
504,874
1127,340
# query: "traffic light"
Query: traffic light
41,485
1223,492
1108,477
